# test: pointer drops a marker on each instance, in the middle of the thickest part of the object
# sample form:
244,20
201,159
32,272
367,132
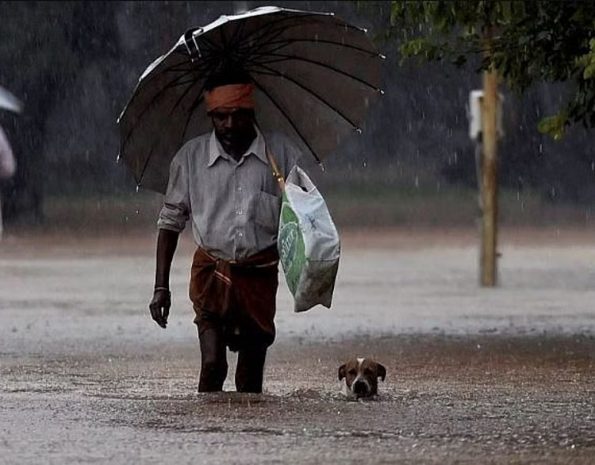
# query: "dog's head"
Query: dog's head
361,376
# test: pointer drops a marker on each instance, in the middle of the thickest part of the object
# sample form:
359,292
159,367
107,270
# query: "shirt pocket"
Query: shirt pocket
267,211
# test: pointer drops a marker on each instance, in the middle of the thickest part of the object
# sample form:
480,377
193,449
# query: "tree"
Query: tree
532,41
519,43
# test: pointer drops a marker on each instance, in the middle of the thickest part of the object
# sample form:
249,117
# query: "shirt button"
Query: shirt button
239,212
240,234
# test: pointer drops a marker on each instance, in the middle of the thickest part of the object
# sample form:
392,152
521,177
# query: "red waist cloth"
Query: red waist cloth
237,297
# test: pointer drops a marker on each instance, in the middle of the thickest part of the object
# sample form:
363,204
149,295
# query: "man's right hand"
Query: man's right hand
159,306
166,246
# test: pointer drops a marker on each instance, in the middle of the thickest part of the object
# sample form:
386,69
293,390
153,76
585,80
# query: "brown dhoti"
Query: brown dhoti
236,297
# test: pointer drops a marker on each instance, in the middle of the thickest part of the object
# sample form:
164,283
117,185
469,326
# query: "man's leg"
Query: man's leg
250,369
213,369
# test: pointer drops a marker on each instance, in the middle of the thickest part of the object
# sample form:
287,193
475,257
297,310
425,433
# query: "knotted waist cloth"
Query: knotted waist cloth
236,297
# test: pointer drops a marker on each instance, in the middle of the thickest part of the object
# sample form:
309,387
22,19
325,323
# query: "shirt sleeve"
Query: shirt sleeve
176,204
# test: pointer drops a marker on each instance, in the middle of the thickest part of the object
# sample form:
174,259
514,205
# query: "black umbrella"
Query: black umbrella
314,74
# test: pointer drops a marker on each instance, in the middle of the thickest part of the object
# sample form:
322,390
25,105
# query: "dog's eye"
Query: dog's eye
352,372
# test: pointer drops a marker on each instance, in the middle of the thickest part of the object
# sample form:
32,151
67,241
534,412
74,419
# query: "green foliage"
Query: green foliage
588,62
524,41
554,125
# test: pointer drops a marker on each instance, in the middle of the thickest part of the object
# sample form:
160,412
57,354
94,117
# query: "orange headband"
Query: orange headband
232,95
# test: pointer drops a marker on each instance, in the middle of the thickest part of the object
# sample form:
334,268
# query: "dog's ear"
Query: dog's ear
342,371
381,371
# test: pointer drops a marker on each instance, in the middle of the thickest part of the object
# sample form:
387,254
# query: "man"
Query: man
223,183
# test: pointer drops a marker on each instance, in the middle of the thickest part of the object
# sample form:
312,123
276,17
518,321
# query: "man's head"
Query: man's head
230,104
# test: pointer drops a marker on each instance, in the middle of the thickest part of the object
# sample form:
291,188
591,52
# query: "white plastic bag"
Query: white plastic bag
308,243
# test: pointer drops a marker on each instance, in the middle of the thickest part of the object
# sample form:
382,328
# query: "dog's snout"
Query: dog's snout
360,388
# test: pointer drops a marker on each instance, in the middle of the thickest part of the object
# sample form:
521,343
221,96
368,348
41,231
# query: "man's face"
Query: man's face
233,125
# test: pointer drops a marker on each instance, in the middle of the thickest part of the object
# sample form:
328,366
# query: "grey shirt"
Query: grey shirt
233,206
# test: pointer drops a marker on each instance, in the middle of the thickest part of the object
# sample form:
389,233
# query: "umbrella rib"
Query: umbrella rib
261,42
259,53
311,92
182,98
169,85
224,38
273,30
324,65
236,38
176,67
194,105
262,33
284,113
269,36
285,42
321,41
142,173
183,83
185,127
299,22
144,83
210,45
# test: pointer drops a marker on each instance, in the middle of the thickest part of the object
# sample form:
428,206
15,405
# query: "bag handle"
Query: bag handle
275,169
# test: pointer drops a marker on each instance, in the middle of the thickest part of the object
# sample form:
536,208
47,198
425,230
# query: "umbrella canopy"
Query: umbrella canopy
314,75
9,101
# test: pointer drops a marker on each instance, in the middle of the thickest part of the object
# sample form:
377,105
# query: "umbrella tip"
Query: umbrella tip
380,91
118,157
137,188
358,130
381,56
321,165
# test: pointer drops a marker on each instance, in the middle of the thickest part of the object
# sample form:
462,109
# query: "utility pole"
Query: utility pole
489,177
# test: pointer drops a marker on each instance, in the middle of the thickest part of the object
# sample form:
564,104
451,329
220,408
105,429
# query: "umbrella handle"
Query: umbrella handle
276,173
190,41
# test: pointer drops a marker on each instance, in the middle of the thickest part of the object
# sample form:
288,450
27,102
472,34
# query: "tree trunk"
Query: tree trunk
489,181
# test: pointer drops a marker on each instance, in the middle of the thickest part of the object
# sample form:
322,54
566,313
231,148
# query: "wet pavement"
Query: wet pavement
474,375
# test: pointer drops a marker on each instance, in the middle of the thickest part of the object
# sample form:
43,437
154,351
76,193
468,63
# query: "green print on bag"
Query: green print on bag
291,246
308,243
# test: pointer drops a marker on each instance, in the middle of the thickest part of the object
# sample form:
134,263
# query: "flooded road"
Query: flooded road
474,375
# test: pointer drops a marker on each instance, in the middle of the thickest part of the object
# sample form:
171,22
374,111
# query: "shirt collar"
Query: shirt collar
257,147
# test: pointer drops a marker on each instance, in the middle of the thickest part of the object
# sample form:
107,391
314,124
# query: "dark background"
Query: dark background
74,65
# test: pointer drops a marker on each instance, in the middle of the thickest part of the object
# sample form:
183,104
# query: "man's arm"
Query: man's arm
167,241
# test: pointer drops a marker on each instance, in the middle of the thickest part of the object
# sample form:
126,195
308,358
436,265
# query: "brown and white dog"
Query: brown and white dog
361,377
